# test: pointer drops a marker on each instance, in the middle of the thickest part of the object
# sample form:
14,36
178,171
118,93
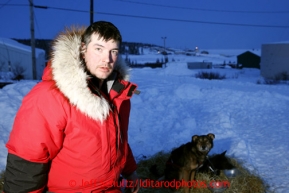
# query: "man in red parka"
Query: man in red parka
71,131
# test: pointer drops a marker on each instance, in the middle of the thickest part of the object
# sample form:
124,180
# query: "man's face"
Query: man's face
100,56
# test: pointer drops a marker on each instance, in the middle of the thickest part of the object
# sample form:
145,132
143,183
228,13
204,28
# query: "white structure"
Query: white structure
15,56
275,60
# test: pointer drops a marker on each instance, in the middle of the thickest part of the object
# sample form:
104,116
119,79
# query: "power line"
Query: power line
159,5
195,21
4,4
163,19
200,9
171,19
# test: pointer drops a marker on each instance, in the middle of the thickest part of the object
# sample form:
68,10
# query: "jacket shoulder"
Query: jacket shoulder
45,90
42,117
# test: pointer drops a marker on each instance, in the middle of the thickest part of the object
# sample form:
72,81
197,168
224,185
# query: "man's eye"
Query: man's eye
114,52
98,49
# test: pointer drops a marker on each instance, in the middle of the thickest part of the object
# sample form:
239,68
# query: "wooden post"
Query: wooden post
32,39
91,11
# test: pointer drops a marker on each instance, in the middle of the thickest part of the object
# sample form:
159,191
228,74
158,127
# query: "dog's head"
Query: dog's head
204,143
221,162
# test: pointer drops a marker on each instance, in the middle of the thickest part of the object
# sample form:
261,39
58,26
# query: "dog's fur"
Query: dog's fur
186,159
215,163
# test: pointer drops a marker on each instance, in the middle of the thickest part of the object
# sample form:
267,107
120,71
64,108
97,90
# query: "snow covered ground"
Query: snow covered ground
249,120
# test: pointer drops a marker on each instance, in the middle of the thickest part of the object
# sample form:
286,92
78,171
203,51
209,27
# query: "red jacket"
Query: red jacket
76,130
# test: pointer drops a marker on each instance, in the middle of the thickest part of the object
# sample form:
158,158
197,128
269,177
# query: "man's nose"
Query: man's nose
106,57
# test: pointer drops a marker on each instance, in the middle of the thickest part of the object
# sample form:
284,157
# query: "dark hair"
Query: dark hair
104,29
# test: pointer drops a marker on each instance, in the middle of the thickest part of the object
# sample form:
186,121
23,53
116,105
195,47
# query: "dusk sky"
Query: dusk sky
208,24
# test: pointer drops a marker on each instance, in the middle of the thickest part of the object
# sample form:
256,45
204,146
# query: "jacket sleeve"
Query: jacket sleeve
24,176
35,139
130,165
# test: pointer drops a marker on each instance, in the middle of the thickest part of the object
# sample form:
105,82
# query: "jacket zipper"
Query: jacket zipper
117,126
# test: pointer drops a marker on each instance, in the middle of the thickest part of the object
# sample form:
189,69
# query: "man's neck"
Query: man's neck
97,82
100,83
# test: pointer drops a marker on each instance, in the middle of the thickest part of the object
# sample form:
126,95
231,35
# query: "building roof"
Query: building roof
283,42
17,45
255,52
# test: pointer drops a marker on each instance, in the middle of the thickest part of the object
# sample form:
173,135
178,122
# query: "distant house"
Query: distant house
199,65
204,52
275,60
17,58
248,60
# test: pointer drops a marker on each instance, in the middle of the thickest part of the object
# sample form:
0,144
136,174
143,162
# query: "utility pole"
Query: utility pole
32,39
91,11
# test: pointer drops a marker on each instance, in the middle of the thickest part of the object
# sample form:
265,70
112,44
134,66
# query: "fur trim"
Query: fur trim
71,78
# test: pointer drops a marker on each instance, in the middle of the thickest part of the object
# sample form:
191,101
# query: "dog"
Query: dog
215,163
186,159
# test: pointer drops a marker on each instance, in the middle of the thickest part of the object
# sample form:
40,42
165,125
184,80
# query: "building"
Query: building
199,65
275,60
17,58
248,60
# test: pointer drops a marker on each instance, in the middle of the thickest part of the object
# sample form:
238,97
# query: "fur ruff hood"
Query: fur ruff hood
71,79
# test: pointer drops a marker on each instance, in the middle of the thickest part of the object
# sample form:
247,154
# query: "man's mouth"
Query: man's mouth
105,68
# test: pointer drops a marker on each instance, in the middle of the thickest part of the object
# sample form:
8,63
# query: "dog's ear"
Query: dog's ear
211,135
194,138
224,153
